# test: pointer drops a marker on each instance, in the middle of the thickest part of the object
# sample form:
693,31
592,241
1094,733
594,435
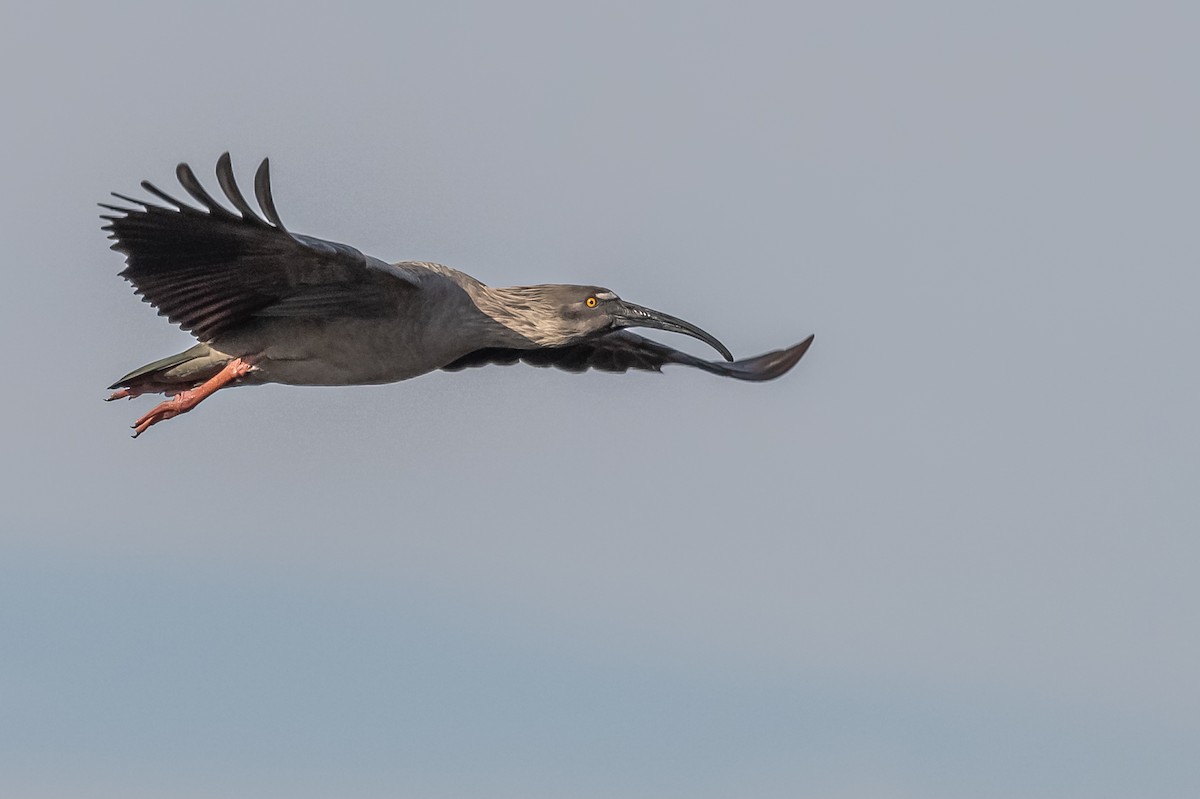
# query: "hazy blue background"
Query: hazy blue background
953,554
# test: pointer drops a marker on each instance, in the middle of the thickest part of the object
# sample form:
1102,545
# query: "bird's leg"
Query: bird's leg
184,401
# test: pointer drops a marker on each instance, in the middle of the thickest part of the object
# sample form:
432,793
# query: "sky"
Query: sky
952,554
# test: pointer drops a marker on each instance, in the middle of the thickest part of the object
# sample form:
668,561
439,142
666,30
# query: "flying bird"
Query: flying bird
271,306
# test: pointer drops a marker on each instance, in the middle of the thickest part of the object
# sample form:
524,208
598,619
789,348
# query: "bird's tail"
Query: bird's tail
171,374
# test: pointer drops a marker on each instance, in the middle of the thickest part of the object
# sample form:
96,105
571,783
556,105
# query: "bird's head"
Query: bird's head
585,311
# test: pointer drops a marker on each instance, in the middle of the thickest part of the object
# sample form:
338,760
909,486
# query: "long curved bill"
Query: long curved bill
630,315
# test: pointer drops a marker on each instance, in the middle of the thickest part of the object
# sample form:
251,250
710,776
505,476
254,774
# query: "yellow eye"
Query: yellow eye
590,302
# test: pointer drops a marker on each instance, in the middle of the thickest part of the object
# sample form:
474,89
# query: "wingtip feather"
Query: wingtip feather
229,186
262,190
191,184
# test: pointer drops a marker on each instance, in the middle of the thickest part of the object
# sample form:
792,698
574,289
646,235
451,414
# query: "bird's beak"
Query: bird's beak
626,314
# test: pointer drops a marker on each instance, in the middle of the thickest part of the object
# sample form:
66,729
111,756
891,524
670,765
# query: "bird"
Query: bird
267,305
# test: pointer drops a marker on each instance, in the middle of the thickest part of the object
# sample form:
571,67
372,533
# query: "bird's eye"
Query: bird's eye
590,302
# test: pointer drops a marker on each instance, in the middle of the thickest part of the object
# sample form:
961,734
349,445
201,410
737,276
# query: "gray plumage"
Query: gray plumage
269,305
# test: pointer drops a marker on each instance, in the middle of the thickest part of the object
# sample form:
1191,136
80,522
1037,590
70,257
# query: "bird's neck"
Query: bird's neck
517,317
526,312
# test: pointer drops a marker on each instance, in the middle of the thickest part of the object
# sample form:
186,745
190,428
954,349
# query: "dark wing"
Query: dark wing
210,269
621,351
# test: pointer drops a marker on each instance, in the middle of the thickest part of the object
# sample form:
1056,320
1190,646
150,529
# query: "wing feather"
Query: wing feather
187,179
230,187
262,190
621,351
210,269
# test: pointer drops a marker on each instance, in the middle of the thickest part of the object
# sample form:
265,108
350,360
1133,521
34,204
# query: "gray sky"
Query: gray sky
952,554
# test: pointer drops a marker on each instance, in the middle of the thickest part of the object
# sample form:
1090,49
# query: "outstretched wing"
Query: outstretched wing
210,269
621,351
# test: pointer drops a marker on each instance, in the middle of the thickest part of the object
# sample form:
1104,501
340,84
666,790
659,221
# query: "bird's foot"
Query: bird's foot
151,388
162,412
180,403
184,401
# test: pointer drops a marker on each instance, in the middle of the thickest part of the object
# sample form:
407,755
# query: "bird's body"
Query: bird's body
431,325
270,306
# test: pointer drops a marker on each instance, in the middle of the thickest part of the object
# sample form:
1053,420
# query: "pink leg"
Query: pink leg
184,401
